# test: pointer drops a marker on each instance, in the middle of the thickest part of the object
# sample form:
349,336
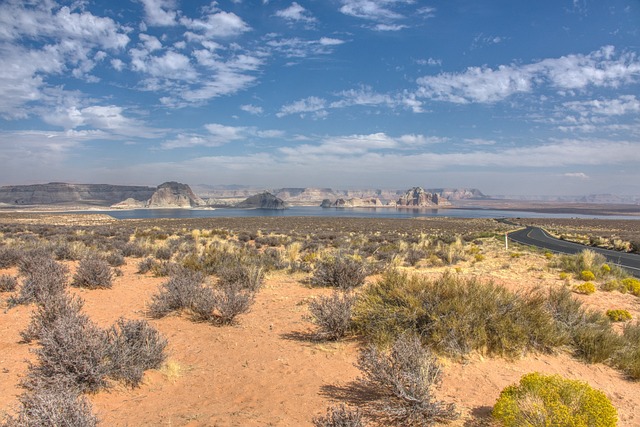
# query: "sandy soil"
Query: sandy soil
267,371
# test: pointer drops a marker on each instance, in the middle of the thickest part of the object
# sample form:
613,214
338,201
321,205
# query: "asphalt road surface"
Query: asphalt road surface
534,236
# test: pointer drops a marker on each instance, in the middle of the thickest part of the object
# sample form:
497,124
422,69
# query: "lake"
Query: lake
342,213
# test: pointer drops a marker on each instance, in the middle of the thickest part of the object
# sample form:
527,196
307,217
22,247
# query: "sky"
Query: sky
510,97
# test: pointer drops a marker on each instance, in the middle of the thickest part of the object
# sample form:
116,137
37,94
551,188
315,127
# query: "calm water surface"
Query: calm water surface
343,213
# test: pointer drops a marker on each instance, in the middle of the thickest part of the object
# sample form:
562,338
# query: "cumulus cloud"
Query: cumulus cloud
252,109
296,13
160,12
219,24
624,104
383,14
601,68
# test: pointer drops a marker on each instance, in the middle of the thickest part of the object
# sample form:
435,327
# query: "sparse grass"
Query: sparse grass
8,283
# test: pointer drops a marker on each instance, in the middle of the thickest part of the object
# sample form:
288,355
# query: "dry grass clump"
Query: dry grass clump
540,401
339,416
44,278
628,357
93,273
53,408
133,347
8,283
404,377
185,291
340,271
246,275
332,314
455,316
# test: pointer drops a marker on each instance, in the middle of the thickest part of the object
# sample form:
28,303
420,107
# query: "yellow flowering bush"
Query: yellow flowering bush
544,401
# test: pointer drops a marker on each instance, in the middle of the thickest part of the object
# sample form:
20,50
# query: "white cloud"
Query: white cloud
624,104
576,175
219,24
217,135
601,68
295,12
371,9
311,104
252,109
160,12
299,48
151,43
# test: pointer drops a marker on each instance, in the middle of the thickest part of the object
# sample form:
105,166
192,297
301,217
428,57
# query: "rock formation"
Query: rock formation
129,204
57,193
416,197
354,202
264,200
174,195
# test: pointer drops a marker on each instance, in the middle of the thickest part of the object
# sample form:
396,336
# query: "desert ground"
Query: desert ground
269,368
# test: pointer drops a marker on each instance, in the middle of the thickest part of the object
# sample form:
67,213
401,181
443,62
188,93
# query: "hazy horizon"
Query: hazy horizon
510,98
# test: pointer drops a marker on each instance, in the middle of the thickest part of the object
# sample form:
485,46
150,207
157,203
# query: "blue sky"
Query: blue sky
510,97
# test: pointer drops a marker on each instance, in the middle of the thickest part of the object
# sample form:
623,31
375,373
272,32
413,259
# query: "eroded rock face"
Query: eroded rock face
264,200
56,193
418,198
355,202
174,195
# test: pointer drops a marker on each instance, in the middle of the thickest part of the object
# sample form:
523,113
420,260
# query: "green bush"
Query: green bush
628,358
618,315
455,316
541,401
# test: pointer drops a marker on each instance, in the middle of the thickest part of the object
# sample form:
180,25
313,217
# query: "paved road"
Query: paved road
534,236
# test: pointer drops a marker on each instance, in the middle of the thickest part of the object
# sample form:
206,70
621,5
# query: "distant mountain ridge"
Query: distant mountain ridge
57,193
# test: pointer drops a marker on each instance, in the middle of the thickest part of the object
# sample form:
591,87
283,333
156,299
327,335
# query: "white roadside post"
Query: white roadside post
506,241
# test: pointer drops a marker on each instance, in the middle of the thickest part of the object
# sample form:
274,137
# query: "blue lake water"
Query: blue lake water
316,211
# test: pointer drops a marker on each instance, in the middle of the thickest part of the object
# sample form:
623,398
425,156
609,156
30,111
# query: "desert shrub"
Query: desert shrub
341,271
163,253
180,292
605,269
332,314
58,306
628,358
618,315
134,346
53,408
594,339
44,278
135,250
247,275
8,283
540,401
414,256
405,377
456,315
339,416
147,265
230,301
93,273
587,275
631,285
586,288
72,353
9,256
115,259
587,260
